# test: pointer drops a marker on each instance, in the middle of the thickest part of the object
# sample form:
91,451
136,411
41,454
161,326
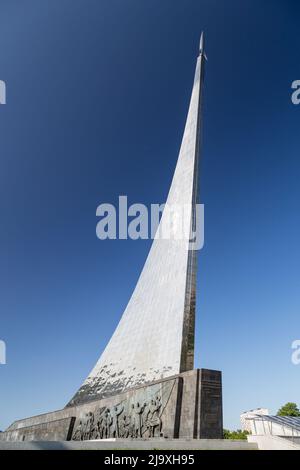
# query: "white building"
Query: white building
283,426
246,423
274,432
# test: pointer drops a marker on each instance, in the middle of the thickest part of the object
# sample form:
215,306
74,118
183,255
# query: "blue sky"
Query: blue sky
97,95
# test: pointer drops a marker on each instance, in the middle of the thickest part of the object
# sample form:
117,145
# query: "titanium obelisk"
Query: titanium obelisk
155,336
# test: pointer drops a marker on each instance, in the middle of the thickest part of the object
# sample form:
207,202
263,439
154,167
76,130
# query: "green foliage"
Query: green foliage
236,435
289,409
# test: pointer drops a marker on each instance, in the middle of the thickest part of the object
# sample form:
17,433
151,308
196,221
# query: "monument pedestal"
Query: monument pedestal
188,405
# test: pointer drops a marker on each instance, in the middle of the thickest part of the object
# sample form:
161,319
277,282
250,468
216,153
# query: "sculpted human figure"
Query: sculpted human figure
158,403
115,421
132,422
125,426
96,432
101,427
95,426
107,423
139,419
153,418
156,415
88,426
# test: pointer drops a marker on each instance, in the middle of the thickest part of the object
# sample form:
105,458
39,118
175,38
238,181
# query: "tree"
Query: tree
289,409
236,435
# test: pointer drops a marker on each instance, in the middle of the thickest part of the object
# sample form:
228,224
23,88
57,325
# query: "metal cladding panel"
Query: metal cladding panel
155,336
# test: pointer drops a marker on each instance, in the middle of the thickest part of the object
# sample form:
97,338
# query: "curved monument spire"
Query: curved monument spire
155,336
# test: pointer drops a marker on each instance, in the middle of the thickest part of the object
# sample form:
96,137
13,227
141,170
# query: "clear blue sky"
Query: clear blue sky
97,95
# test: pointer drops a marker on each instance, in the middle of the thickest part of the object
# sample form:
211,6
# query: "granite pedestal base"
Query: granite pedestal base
185,406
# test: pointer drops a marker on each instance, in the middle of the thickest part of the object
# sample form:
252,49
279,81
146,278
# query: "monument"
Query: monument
144,384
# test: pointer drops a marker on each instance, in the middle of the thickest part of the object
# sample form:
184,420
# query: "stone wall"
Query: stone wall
57,430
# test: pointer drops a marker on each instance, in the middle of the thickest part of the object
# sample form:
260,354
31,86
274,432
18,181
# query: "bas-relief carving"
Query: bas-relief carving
138,416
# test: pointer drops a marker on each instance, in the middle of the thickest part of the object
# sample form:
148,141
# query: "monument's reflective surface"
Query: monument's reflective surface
155,336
